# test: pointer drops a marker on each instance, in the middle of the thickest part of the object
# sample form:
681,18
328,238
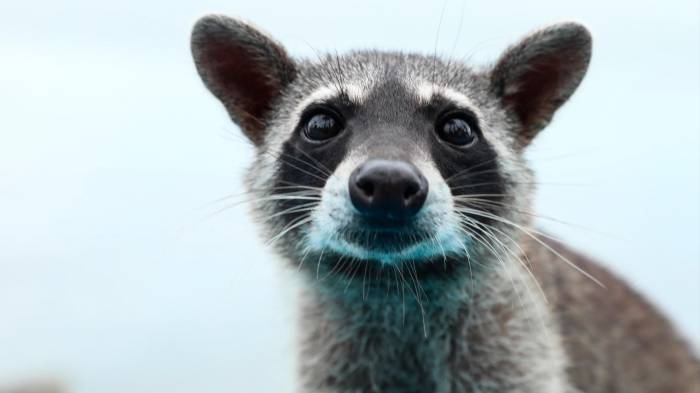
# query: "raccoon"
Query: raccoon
396,185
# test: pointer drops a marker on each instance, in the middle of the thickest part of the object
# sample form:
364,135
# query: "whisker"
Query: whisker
268,198
260,191
479,237
304,171
531,183
338,263
309,161
467,196
471,168
491,228
492,203
487,230
457,36
320,256
437,40
303,258
294,224
353,272
531,234
469,265
295,209
314,160
413,273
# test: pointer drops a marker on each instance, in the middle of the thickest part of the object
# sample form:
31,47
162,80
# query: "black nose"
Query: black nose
388,189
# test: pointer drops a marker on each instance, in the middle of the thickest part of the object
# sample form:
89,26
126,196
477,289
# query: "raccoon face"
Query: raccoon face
376,159
396,154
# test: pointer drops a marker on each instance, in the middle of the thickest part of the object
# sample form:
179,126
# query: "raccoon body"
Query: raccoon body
396,185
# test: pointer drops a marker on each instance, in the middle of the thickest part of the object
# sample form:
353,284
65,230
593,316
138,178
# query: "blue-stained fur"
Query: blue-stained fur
466,296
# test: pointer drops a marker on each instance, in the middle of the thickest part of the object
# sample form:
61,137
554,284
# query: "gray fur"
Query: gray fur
486,327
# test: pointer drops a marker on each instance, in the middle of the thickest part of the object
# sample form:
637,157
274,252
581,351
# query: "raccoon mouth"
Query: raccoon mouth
385,238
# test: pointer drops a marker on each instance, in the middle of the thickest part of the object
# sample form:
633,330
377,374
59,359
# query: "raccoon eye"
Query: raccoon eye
321,125
457,129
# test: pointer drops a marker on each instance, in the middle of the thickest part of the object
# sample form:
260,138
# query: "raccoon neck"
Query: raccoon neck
458,337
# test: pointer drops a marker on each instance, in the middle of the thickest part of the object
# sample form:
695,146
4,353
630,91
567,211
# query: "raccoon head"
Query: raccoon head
389,160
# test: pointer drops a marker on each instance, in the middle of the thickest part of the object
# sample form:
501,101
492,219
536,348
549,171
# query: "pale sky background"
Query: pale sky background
112,280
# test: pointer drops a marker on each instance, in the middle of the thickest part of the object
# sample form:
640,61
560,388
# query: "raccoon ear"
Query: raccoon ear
243,67
536,76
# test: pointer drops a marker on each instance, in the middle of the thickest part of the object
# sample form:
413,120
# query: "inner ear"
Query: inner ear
243,67
536,76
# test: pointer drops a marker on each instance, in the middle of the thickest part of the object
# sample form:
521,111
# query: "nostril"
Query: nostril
366,186
411,190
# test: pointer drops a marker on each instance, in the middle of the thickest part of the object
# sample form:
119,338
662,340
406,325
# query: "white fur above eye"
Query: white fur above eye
427,90
355,92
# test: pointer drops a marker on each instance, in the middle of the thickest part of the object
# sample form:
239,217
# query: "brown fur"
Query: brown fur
616,340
